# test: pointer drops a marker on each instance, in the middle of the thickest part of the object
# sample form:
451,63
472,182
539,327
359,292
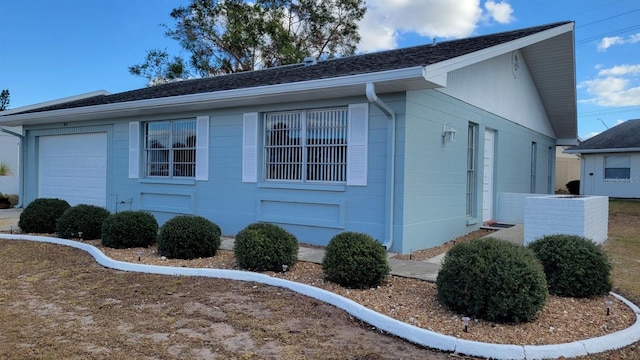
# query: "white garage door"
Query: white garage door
73,168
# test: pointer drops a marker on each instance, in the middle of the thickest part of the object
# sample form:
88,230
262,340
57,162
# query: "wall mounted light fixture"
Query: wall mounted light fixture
448,133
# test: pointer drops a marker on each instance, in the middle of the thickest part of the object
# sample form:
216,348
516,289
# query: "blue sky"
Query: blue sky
55,49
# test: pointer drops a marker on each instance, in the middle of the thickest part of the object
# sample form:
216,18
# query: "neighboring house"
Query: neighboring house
411,146
9,155
610,164
567,168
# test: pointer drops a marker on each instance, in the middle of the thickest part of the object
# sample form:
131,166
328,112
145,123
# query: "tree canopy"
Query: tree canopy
4,99
228,36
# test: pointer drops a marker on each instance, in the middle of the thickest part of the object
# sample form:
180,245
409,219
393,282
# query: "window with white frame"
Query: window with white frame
472,154
170,148
617,167
306,146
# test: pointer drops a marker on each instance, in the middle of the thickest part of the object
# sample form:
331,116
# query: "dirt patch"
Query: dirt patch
58,303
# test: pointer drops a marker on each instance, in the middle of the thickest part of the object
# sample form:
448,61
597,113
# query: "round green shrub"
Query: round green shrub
128,229
41,214
355,260
81,221
575,266
492,279
188,237
264,246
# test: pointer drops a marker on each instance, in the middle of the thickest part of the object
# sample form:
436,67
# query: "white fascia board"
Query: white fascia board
567,142
601,151
435,72
213,98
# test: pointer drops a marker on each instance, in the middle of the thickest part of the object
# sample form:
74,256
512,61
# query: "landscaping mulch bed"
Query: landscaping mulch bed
414,301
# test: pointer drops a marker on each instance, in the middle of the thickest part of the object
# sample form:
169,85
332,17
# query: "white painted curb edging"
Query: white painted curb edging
392,326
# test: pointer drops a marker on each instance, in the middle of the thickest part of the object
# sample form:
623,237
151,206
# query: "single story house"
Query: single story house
411,146
610,162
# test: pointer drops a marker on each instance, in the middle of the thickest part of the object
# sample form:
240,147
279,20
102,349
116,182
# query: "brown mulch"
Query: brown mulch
414,301
420,255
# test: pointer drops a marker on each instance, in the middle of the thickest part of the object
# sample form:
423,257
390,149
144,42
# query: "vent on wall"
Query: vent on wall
310,60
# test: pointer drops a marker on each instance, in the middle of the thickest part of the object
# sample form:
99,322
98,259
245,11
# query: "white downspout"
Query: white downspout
20,166
391,169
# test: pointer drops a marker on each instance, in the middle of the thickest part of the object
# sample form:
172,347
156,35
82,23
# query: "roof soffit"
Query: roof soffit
550,57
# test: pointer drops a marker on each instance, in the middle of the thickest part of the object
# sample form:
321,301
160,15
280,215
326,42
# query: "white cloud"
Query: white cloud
615,86
620,70
501,12
607,42
386,21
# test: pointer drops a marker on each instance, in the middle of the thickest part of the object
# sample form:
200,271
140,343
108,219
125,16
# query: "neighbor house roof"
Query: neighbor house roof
624,137
548,50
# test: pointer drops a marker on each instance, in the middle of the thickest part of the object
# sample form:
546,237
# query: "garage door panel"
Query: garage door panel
73,168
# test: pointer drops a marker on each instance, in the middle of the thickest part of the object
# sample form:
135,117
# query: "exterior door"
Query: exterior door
487,175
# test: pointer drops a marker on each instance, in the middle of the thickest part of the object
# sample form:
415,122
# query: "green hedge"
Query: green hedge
575,266
81,221
355,260
264,246
41,214
188,237
494,280
128,229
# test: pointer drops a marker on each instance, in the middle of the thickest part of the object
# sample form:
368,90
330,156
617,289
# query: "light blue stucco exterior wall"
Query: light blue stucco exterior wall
314,213
431,185
430,175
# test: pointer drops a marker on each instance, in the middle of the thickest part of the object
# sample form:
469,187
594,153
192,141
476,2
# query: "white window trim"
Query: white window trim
202,151
357,146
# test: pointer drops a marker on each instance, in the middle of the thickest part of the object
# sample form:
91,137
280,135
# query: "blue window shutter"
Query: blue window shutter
134,150
357,143
202,148
250,147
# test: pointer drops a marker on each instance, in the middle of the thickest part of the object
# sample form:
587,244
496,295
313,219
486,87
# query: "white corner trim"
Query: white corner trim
387,324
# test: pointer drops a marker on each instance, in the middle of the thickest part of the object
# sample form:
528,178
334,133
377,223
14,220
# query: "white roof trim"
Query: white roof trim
216,97
566,142
55,102
599,151
435,72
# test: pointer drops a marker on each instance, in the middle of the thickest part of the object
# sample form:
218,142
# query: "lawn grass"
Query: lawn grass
623,247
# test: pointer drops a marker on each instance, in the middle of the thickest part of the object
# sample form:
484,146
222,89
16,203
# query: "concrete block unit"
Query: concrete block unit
565,214
511,206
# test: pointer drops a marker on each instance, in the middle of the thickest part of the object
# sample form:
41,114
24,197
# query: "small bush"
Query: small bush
41,214
13,199
188,237
264,246
128,229
492,279
81,221
355,260
575,266
573,187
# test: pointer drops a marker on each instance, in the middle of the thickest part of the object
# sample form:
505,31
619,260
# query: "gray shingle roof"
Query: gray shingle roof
623,136
353,65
